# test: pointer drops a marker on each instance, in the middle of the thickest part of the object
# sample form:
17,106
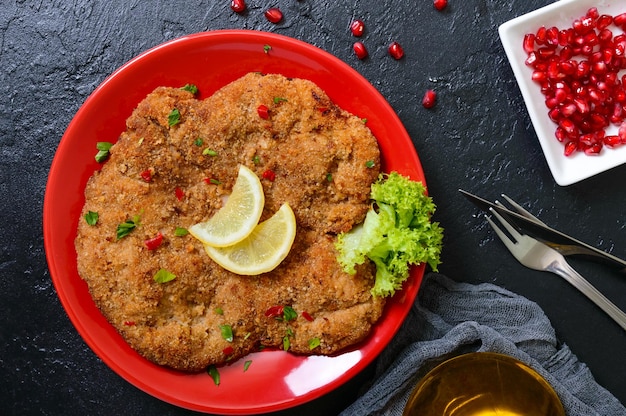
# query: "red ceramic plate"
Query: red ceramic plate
275,380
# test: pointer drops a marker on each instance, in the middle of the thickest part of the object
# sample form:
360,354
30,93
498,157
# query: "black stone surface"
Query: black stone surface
478,137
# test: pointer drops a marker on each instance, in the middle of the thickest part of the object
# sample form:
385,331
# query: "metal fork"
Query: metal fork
538,256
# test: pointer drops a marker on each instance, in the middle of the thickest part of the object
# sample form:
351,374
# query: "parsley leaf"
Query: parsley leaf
227,332
91,217
289,314
173,118
191,88
164,276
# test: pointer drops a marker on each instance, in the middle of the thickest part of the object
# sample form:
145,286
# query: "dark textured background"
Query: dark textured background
478,137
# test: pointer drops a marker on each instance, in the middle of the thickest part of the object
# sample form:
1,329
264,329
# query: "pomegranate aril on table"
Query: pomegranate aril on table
274,15
238,5
357,27
578,71
395,50
360,50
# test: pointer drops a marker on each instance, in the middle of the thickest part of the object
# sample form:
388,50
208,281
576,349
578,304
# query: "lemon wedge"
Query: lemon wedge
239,215
263,250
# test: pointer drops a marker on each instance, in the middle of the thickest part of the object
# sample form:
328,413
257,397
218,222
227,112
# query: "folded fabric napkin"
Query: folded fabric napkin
451,318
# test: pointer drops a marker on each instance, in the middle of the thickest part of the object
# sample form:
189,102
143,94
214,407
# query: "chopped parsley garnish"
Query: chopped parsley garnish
278,100
286,339
191,88
209,152
267,48
256,160
126,227
246,365
329,177
227,332
164,276
215,375
370,164
314,343
198,142
180,232
215,181
219,311
103,151
173,118
289,314
91,217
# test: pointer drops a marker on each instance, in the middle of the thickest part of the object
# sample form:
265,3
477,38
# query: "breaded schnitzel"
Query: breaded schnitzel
173,167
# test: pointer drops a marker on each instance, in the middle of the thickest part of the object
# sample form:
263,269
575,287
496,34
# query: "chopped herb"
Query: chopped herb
191,88
215,181
219,311
246,365
227,332
278,100
173,118
289,314
209,152
314,343
286,340
91,217
267,48
370,164
256,160
164,276
247,335
329,177
198,142
364,120
180,232
140,141
215,375
126,227
103,151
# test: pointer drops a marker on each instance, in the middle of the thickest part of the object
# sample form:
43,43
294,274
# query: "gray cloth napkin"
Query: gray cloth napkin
451,318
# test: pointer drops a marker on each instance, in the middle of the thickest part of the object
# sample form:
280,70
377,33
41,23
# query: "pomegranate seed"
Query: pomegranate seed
440,4
612,141
263,112
622,132
357,27
620,20
238,5
396,51
529,43
430,97
570,147
604,21
360,50
594,149
274,15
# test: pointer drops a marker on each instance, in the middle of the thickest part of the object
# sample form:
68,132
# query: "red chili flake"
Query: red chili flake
274,15
357,27
396,51
274,311
154,242
238,6
269,175
129,323
360,50
307,316
263,112
228,350
146,175
179,193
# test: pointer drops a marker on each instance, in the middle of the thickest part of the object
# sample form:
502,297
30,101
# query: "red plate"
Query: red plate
275,380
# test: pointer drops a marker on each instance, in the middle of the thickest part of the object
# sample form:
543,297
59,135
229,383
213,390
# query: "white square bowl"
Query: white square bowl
566,170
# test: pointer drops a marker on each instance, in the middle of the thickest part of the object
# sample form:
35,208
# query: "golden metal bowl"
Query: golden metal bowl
483,384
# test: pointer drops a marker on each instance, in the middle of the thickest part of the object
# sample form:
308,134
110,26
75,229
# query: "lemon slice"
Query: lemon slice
263,250
239,215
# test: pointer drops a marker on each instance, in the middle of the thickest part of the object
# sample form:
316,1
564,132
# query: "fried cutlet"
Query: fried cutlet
165,174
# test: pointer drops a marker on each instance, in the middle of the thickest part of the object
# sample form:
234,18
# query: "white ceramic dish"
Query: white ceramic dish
566,170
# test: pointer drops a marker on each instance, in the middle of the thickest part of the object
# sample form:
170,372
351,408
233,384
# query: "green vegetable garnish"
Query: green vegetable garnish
173,118
314,343
198,142
289,314
215,375
164,276
267,48
219,311
91,217
395,236
227,332
191,88
209,152
246,365
126,227
370,164
180,232
286,340
278,100
103,151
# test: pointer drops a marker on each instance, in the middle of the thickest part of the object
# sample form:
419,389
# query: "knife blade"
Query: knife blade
565,244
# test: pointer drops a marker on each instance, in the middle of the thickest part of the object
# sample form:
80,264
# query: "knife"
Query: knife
566,245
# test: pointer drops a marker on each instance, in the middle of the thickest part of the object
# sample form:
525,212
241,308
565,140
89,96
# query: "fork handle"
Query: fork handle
567,272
